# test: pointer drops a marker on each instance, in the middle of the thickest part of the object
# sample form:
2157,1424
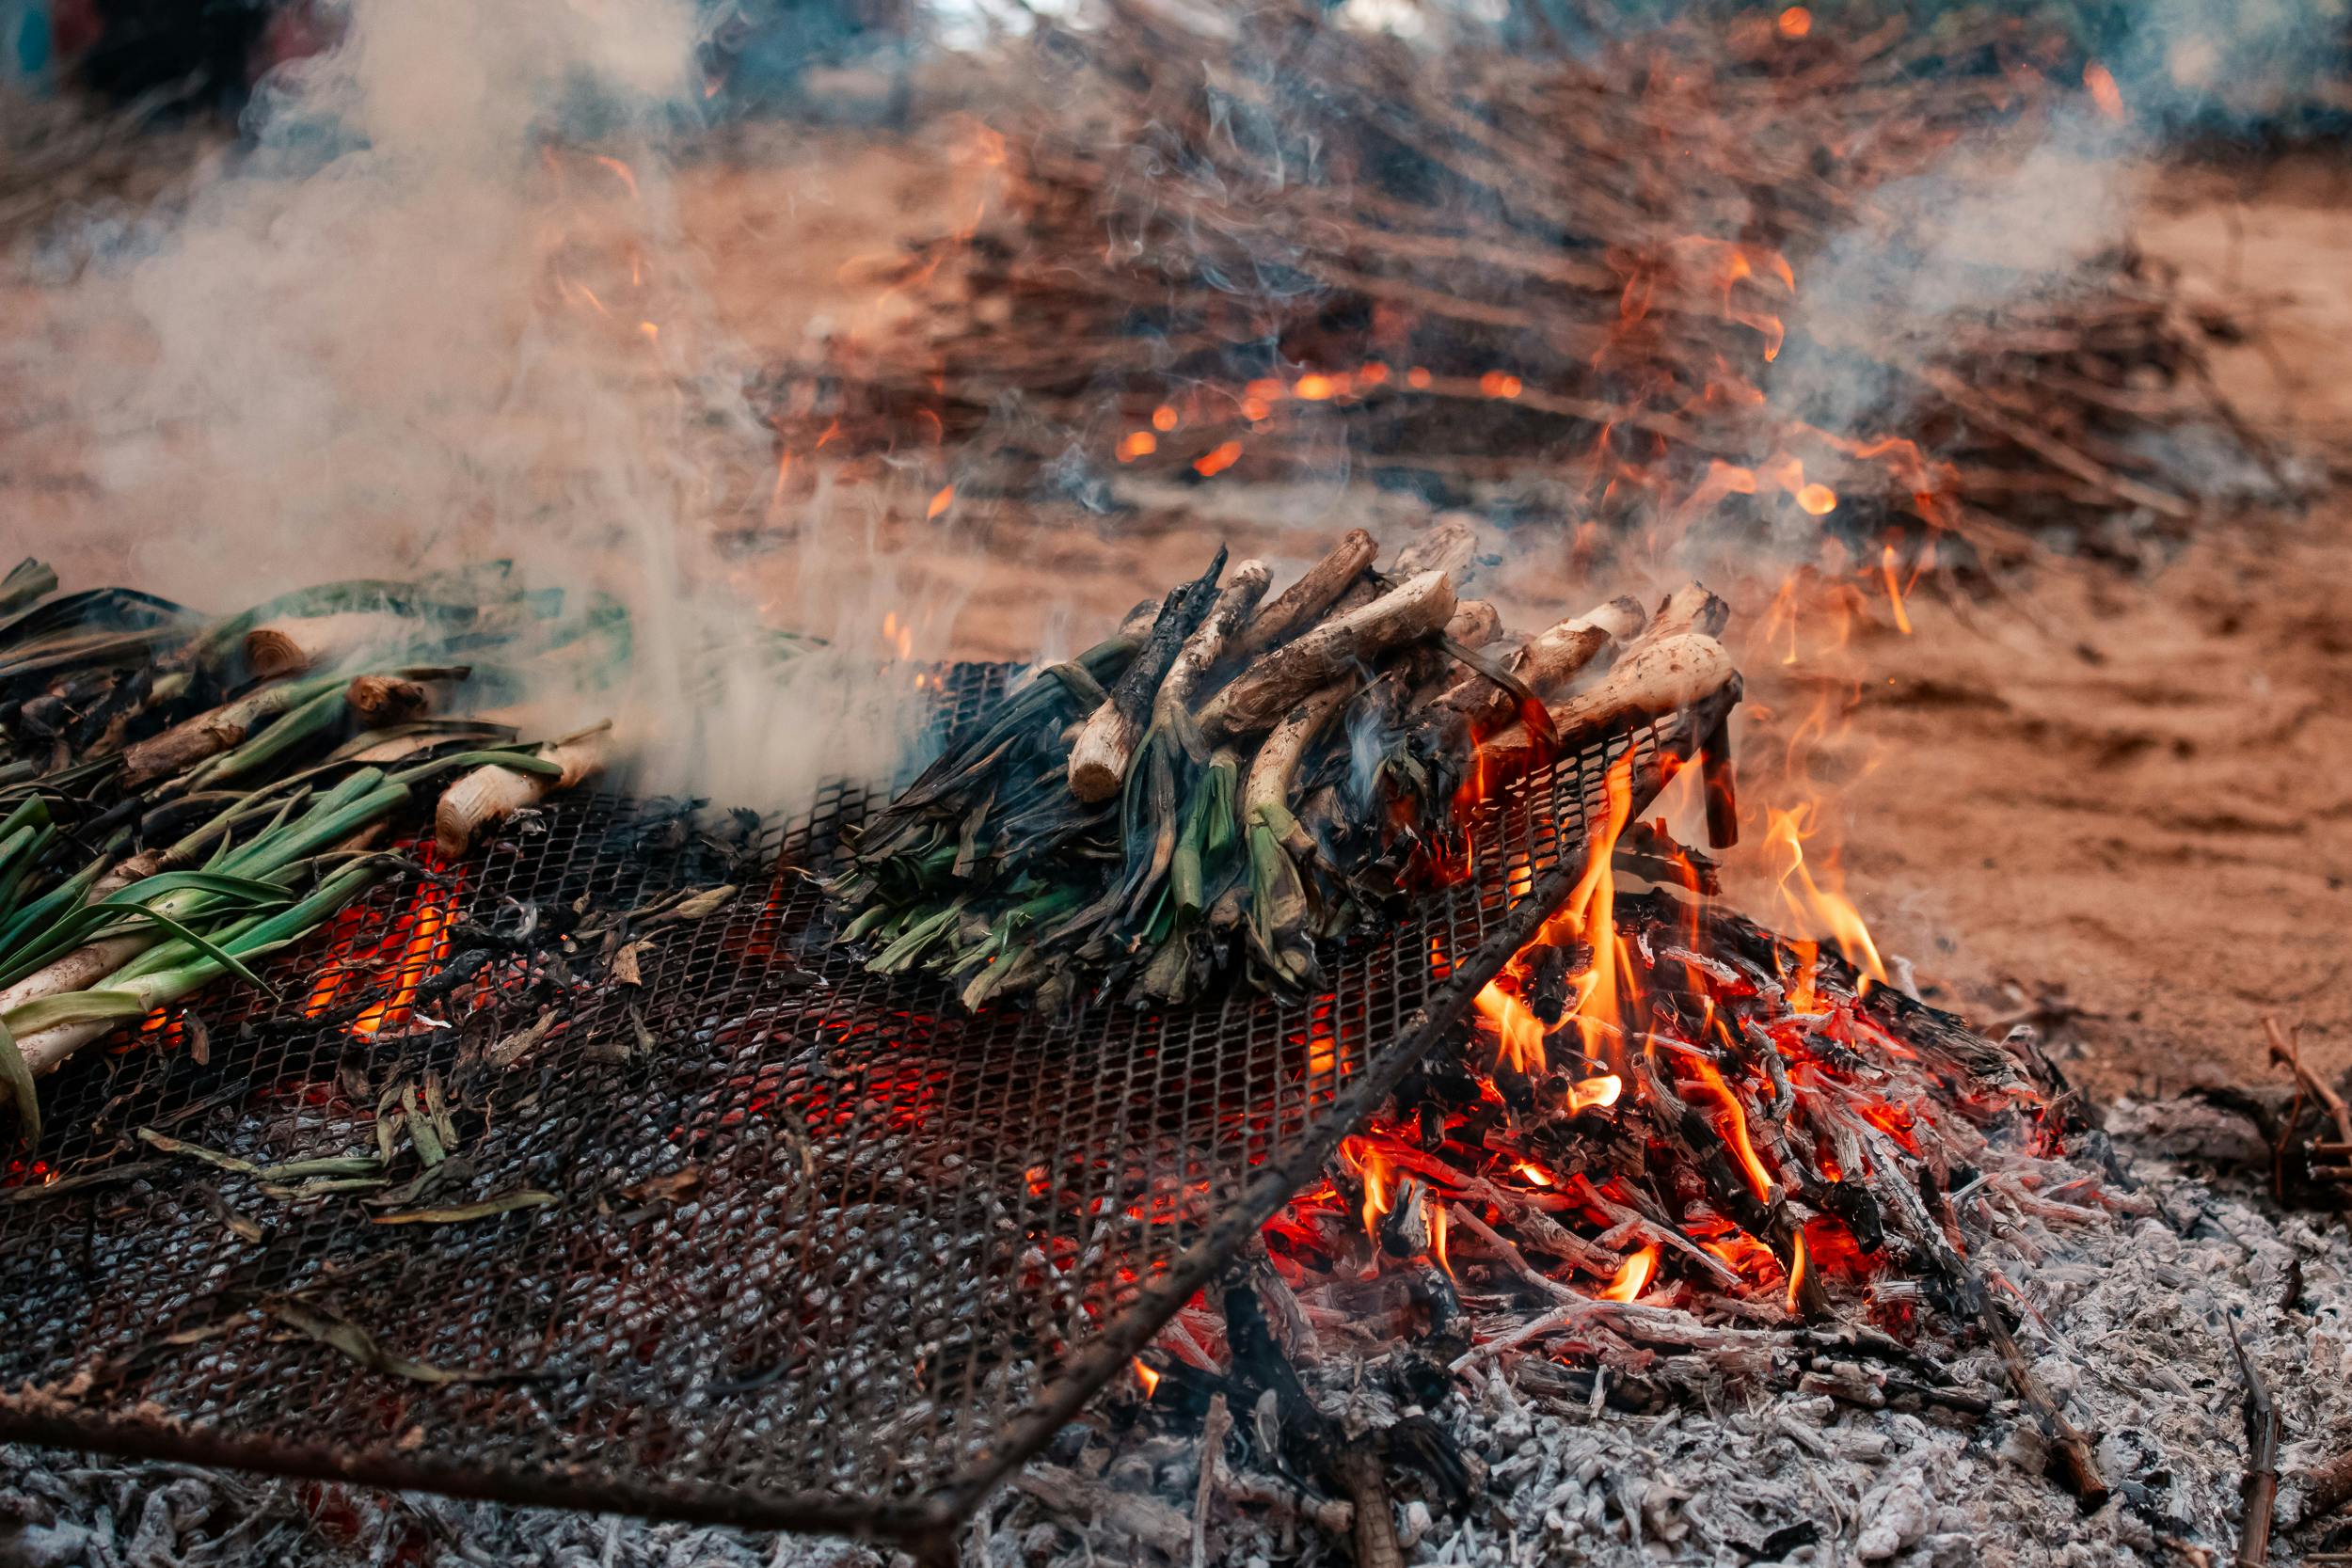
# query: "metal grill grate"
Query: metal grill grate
822,1252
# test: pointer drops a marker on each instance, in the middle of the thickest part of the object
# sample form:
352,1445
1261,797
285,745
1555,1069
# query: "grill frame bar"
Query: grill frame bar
1549,814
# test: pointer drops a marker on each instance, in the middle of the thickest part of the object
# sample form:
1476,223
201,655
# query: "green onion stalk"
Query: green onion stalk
63,945
45,1032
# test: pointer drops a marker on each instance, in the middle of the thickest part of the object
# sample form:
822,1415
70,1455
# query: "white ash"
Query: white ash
2124,1320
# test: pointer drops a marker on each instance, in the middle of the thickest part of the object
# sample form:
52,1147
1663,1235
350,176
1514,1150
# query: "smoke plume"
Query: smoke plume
439,309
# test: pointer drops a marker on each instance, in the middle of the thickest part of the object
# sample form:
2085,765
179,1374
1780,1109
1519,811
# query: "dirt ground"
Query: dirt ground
2118,804
2130,797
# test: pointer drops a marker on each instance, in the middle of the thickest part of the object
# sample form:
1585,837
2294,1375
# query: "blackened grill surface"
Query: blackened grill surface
824,1252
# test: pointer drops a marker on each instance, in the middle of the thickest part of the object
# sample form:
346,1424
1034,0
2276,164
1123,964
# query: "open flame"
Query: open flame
1810,903
1732,1127
1368,1162
1633,1276
1521,1033
1146,1376
1589,915
403,954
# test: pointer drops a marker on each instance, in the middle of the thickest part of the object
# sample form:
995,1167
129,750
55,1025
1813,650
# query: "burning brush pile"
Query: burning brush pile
1225,781
1576,274
183,795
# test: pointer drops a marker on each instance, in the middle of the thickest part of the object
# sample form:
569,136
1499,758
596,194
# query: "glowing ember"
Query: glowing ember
1819,500
939,502
1794,23
2099,82
1138,443
1163,419
1498,384
1218,459
1633,1276
371,954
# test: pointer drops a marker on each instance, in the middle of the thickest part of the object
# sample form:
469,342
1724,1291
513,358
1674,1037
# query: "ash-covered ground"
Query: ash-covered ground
2126,1316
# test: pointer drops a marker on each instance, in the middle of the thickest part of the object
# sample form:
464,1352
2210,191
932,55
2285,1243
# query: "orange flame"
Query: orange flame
1595,1093
1894,589
1534,1173
1633,1276
1825,904
1796,1269
2103,92
1145,1375
621,172
1437,1239
1372,1166
1522,1032
1590,913
1734,1129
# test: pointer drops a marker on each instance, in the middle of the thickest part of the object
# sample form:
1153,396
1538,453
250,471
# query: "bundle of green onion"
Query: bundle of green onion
1224,782
182,796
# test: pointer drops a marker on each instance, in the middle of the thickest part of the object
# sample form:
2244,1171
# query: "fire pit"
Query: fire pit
691,1216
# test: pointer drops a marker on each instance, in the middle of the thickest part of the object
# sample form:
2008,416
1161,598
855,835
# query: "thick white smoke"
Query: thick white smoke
441,311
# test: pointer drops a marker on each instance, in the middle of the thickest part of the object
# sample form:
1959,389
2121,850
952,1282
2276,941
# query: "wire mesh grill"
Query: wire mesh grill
803,1248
